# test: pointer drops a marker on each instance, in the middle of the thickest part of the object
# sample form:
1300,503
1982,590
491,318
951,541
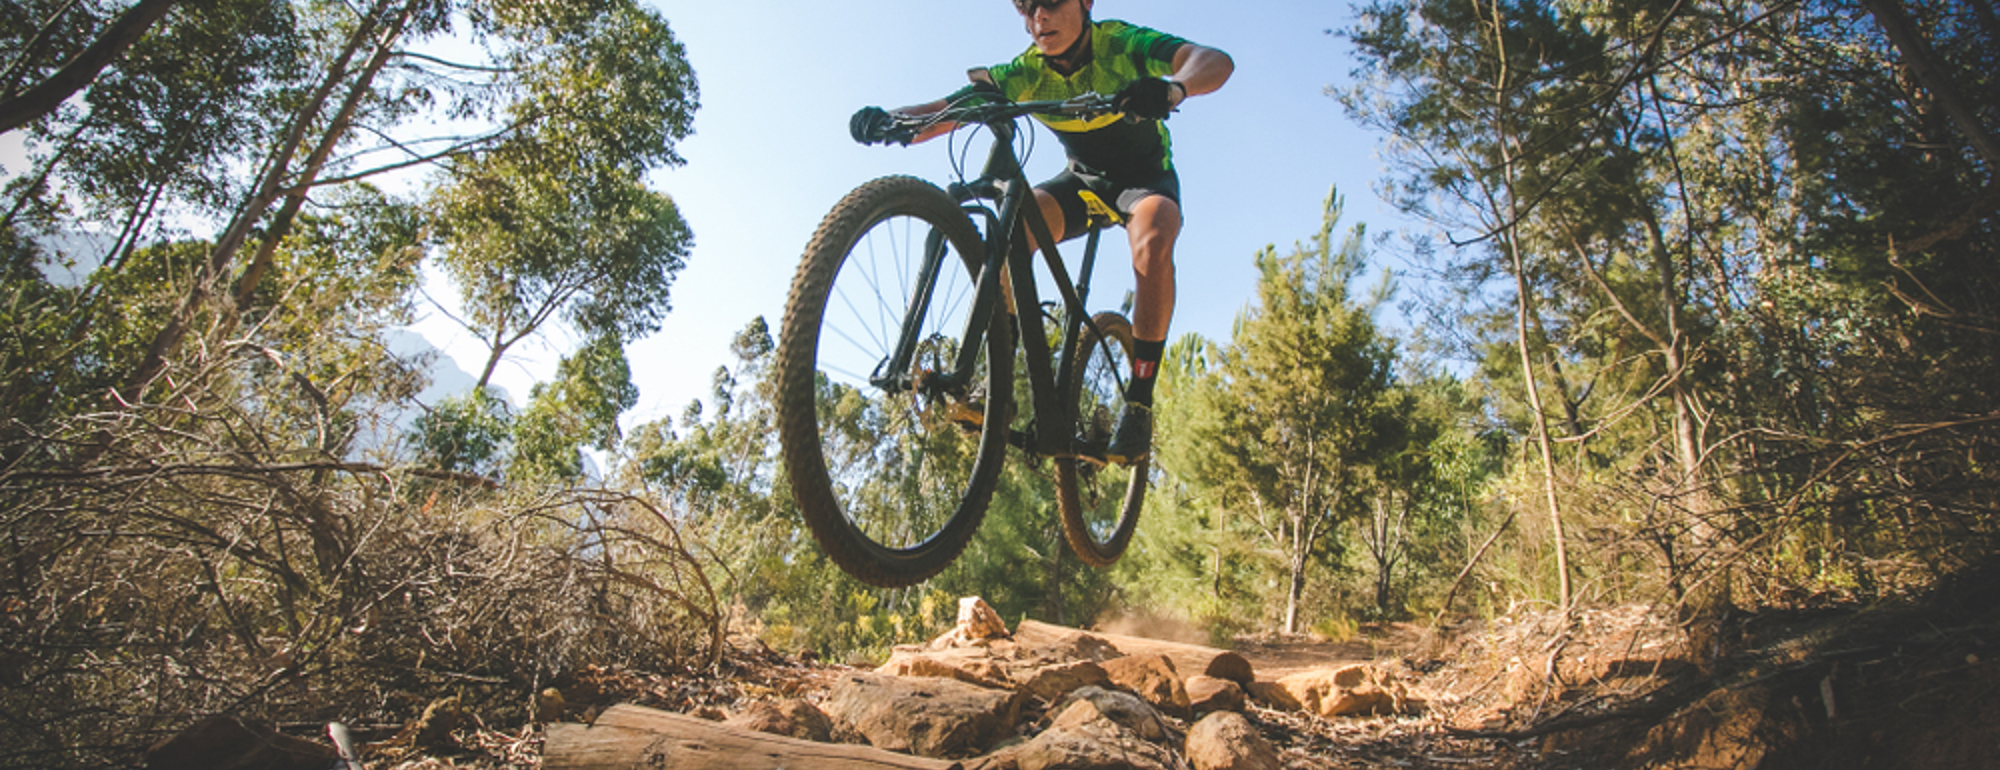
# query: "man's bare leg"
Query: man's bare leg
1154,227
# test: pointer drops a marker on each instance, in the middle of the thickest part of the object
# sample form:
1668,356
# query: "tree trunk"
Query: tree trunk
270,187
1523,301
1297,587
1189,659
42,98
631,737
1902,32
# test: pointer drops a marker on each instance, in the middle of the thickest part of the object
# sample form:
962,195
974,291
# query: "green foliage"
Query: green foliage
465,433
528,244
1757,274
579,407
1299,405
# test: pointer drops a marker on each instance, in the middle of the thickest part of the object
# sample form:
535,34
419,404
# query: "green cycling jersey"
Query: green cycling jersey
1120,53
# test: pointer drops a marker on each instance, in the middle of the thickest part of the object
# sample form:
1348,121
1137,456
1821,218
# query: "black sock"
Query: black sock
1146,356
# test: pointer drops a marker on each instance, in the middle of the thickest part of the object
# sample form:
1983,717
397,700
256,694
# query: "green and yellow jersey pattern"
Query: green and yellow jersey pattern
1119,54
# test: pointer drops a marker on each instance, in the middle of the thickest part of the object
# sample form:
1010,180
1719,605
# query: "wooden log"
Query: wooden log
628,737
1189,659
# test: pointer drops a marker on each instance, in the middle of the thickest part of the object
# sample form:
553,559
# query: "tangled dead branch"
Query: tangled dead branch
211,551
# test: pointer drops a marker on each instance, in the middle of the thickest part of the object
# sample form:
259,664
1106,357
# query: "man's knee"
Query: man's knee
1051,213
1155,225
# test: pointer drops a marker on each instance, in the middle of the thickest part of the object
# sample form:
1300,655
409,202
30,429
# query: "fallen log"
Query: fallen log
627,737
1189,659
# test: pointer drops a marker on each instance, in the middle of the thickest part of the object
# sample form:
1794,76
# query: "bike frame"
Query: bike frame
1004,182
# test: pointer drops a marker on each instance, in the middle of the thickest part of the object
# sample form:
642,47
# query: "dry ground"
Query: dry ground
1908,684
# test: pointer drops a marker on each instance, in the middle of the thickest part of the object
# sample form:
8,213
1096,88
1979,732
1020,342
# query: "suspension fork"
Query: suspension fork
892,374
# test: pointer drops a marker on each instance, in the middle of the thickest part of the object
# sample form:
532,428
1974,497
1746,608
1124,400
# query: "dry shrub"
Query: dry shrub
217,550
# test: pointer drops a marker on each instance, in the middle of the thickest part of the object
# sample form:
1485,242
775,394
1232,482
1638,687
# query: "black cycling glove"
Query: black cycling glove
874,125
1148,98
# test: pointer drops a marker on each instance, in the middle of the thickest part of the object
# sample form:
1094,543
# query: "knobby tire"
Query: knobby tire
894,512
1099,502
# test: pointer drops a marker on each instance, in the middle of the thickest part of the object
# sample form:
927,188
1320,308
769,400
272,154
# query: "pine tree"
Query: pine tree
1298,408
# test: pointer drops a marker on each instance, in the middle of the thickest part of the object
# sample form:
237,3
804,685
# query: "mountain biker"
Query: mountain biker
1117,165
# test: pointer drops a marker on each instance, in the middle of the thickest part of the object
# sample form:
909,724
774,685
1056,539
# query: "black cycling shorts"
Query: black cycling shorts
1082,192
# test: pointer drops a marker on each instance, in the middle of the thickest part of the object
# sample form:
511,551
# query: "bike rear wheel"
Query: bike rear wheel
892,481
1100,502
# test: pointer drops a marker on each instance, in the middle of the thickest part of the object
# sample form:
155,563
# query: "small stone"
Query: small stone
547,706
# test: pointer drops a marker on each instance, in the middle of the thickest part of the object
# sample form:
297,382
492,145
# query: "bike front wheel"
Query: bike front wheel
892,470
1100,502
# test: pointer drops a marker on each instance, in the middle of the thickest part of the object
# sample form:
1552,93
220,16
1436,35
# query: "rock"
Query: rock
950,664
1151,677
1225,740
1207,693
1094,704
979,620
1098,728
1231,666
1100,746
794,718
1346,691
547,706
1275,696
230,743
977,624
1052,683
929,717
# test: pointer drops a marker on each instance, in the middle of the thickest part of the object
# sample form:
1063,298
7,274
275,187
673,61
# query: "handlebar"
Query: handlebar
1086,106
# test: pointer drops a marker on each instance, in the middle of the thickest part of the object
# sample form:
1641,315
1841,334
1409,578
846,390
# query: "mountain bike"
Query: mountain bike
896,365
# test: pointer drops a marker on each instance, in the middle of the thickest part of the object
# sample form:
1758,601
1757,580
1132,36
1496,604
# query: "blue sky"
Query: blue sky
770,155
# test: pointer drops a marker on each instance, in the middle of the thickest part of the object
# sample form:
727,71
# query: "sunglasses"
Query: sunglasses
1029,6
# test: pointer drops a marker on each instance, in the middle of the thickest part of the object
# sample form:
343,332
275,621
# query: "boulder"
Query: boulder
929,717
1095,747
1351,690
1090,705
1151,677
1098,729
1225,740
1052,683
969,665
1207,694
794,718
1275,696
1231,666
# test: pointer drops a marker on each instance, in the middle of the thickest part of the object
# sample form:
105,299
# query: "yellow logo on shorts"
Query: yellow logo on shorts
1098,208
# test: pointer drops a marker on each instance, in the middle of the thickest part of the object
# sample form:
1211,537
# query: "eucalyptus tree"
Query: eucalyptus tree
240,110
22,103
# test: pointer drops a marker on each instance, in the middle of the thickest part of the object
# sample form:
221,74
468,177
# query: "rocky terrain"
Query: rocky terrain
1904,684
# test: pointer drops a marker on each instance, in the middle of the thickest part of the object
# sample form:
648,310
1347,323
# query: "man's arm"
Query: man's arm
1199,70
927,108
